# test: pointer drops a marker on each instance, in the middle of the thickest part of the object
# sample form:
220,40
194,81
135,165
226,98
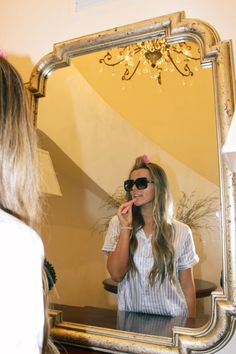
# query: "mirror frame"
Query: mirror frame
220,328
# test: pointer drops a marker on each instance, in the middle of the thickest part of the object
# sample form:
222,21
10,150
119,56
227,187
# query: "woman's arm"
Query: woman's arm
187,283
21,260
118,260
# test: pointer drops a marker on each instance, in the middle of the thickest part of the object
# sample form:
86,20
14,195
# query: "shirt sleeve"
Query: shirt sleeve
188,256
21,296
112,235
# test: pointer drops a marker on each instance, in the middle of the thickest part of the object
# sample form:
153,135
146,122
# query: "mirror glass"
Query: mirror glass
94,124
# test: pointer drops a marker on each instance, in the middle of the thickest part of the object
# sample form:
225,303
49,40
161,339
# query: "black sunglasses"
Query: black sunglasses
140,183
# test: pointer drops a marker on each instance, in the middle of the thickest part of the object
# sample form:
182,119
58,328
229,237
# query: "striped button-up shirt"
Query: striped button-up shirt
135,292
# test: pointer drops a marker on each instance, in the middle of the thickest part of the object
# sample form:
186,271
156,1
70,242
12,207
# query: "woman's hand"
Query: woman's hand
188,286
124,213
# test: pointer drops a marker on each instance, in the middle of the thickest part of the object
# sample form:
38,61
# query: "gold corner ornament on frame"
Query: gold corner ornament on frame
175,28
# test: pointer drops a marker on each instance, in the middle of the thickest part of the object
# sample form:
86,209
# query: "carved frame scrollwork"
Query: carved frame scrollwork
217,332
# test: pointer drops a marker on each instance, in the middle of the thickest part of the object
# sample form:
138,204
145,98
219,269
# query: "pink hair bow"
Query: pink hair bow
146,158
3,54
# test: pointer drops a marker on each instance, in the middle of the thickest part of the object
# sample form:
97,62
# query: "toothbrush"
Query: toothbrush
127,207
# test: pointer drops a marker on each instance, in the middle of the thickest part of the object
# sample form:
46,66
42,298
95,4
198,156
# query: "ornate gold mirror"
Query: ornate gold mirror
203,133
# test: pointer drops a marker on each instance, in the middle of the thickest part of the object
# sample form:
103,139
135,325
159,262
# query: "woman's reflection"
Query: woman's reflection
151,254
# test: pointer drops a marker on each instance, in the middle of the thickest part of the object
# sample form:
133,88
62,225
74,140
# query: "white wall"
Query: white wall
29,28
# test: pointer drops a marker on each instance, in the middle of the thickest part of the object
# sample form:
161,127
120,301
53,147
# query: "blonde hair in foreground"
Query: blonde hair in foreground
19,175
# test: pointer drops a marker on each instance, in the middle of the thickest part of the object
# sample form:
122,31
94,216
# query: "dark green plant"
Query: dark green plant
50,273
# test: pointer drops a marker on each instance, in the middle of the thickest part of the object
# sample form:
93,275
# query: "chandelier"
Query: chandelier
151,57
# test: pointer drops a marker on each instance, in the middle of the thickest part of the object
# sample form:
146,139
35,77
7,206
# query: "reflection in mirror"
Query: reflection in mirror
93,137
94,124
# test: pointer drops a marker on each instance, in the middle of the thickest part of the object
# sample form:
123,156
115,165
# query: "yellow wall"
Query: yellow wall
92,147
72,240
179,114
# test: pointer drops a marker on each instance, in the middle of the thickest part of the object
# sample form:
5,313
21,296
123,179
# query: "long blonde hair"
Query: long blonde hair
19,177
19,173
162,238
